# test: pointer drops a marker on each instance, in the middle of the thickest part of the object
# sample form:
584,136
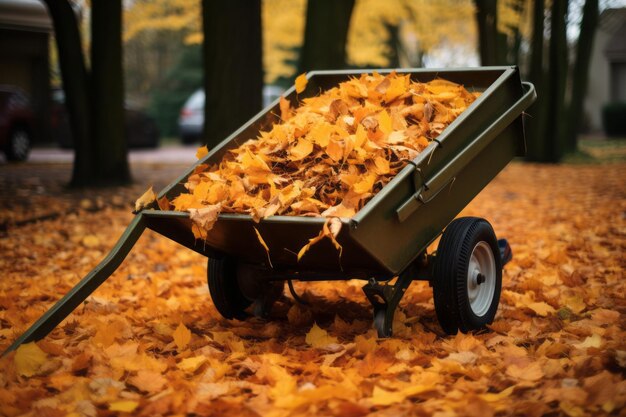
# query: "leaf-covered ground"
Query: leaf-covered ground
149,341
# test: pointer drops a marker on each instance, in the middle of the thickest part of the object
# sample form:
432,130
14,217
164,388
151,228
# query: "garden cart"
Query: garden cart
384,244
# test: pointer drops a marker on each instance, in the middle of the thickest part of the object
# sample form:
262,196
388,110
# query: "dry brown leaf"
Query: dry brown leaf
145,200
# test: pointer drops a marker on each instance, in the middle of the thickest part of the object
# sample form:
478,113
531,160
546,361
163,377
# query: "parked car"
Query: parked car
17,122
141,129
191,120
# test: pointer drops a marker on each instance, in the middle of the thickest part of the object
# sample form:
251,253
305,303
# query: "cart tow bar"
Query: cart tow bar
46,323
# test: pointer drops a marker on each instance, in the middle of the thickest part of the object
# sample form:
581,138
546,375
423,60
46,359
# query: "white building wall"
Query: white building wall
598,87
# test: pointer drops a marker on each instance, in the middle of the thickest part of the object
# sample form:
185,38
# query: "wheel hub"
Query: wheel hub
481,278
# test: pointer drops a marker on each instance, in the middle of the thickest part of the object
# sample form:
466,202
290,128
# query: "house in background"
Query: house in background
25,29
607,73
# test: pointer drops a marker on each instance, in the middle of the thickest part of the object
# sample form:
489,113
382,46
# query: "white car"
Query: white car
191,120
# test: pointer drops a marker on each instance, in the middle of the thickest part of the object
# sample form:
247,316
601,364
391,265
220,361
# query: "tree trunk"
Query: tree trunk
107,94
75,83
233,63
536,145
557,77
393,45
487,21
325,34
581,73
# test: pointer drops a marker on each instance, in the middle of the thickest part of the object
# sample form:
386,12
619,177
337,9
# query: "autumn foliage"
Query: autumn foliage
329,155
149,342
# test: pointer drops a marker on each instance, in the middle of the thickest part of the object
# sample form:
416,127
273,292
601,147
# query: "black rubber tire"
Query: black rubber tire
18,144
224,288
450,288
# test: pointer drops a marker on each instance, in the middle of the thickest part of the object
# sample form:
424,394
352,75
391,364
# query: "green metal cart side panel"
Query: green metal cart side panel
391,230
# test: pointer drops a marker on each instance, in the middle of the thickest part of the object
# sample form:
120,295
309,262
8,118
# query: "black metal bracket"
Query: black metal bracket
55,315
385,299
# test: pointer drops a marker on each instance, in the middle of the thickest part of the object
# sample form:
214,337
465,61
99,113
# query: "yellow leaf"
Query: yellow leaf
381,396
334,150
312,242
182,336
320,134
542,309
493,397
262,242
330,229
381,165
396,89
301,82
123,406
576,304
302,149
202,152
145,200
384,122
186,201
191,365
29,358
318,337
365,184
91,241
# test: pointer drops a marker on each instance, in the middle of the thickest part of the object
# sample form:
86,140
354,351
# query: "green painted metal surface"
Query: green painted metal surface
408,213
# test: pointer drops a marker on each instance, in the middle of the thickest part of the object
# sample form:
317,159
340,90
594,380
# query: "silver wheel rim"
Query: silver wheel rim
20,144
481,278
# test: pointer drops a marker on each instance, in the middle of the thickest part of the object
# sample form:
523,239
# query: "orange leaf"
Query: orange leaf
202,152
164,203
302,149
182,336
267,249
301,82
319,338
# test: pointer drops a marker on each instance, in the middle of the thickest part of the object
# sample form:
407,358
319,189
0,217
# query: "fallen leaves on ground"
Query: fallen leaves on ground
149,342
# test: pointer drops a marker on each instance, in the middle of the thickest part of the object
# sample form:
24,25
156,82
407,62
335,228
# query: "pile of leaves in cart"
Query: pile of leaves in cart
328,156
150,343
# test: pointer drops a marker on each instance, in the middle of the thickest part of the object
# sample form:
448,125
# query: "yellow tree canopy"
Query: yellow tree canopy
423,25
175,15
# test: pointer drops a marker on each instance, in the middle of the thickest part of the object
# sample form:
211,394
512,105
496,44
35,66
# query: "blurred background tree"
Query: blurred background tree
95,93
233,65
271,41
325,34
